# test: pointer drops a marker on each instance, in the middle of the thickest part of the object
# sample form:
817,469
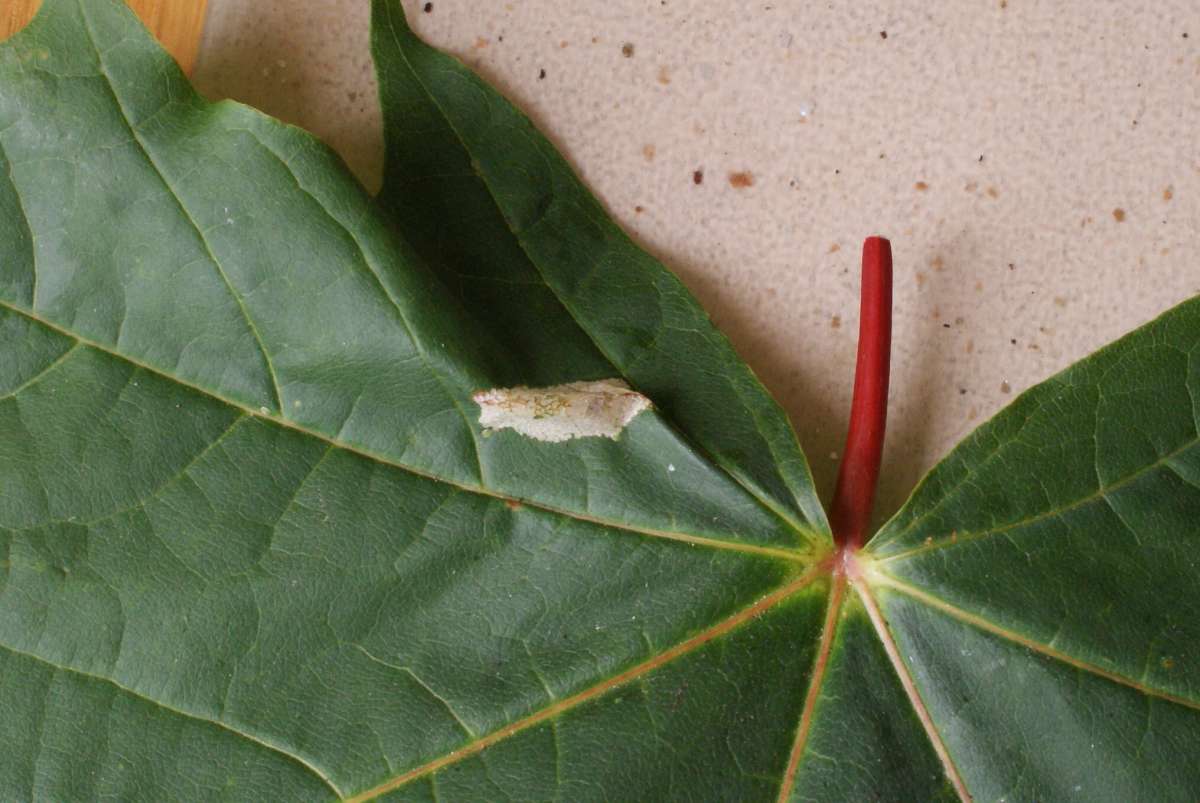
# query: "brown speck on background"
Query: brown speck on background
978,287
664,75
627,50
428,7
992,192
648,151
920,278
970,347
937,263
971,186
480,43
1005,387
833,249
741,180
1119,215
563,44
697,177
835,322
1168,193
541,75
639,209
920,186
511,504
883,34
1059,301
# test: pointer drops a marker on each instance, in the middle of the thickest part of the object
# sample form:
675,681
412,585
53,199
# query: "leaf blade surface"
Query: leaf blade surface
255,543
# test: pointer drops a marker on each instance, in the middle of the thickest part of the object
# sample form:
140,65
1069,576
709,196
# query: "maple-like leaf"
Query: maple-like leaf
456,494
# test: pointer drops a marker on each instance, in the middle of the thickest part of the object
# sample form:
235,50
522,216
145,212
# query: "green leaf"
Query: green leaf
255,544
488,202
1044,580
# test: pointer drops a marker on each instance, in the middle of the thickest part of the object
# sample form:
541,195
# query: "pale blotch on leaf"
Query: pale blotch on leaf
560,412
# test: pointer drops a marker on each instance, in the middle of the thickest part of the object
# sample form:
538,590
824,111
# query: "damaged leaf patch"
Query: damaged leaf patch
561,412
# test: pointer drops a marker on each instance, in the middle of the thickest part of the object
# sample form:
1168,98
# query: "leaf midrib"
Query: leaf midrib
794,586
884,580
878,577
789,554
810,539
837,594
400,314
1100,493
879,622
762,499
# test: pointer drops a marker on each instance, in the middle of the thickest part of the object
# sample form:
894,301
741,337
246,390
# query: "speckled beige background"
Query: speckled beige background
1036,164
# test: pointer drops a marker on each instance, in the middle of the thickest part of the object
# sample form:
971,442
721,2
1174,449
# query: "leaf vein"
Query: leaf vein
791,554
237,298
981,623
256,740
911,691
400,314
40,375
804,532
816,681
1099,494
423,685
634,673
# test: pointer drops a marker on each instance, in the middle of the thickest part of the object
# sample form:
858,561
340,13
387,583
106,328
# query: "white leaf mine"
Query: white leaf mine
560,412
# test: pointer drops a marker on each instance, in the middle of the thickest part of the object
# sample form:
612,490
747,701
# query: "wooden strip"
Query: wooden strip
177,24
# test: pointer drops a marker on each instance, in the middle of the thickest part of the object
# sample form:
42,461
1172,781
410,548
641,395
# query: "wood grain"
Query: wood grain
175,23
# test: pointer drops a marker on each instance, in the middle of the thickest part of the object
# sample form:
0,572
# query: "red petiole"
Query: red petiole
859,471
